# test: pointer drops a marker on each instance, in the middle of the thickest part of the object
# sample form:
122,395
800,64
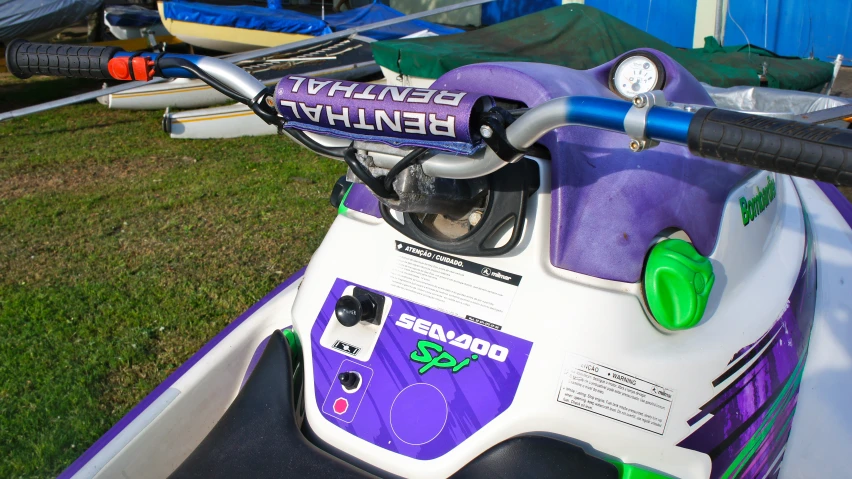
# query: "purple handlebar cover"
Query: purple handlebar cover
397,116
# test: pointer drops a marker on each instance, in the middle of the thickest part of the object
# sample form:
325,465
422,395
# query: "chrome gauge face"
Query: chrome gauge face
637,74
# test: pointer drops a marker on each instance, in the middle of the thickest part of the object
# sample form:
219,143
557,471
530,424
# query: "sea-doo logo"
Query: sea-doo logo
466,342
757,204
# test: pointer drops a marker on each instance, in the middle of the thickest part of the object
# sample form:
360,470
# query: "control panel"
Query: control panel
359,317
408,378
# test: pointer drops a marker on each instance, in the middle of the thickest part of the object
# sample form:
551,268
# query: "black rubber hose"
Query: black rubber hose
406,161
358,169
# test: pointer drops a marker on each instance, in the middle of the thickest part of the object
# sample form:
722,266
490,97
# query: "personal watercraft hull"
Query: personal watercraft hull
177,415
457,359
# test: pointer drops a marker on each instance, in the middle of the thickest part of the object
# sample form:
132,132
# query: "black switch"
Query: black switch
349,380
360,306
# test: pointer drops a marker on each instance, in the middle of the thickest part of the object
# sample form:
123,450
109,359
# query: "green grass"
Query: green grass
122,252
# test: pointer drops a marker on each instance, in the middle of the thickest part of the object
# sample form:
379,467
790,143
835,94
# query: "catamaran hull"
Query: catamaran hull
226,39
129,33
220,122
178,93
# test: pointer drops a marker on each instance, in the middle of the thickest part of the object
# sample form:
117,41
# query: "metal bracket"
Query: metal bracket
492,128
637,118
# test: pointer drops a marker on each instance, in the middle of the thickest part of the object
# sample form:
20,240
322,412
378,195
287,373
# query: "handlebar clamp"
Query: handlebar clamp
492,128
637,119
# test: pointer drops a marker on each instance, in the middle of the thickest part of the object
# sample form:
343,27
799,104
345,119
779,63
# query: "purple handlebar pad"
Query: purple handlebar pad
400,116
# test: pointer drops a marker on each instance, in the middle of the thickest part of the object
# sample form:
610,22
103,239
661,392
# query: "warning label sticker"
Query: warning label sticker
456,286
615,394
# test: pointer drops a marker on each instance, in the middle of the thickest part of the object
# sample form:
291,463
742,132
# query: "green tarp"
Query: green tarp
582,37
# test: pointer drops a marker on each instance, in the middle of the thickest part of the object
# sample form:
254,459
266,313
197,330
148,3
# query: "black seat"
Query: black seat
258,435
536,457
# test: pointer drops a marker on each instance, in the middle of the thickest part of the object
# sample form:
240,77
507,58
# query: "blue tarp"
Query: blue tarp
378,12
289,21
246,16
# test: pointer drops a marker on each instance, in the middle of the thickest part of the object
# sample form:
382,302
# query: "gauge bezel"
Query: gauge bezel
661,77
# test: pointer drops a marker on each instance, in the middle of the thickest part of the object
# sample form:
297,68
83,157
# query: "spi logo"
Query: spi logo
444,360
466,342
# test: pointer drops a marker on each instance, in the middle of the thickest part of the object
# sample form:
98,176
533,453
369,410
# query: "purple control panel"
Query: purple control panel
431,381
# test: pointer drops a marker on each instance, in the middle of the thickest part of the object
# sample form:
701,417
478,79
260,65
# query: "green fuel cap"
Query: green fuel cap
678,281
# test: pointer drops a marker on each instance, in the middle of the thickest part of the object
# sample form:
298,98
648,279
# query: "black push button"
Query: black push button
350,310
349,380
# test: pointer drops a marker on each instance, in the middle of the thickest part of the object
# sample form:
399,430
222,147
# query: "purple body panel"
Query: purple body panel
165,385
608,202
360,198
420,415
751,417
399,116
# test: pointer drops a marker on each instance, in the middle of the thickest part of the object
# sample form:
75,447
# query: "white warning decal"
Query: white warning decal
615,394
473,291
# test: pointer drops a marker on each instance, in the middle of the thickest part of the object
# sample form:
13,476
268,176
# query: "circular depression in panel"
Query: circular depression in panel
418,414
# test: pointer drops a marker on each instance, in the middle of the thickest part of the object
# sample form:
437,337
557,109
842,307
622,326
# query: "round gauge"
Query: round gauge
635,73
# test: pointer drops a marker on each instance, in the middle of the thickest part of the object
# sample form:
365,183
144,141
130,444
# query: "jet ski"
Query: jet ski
535,272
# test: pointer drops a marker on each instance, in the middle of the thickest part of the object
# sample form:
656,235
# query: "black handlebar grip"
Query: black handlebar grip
25,59
772,144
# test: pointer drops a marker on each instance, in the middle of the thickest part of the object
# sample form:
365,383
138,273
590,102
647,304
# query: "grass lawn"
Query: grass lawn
122,251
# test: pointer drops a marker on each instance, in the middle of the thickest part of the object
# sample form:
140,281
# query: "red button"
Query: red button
340,405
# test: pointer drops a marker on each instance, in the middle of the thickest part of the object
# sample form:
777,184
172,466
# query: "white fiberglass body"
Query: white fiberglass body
609,312
565,316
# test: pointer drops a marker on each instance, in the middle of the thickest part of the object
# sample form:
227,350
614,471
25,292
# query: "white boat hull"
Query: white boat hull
129,33
226,39
220,122
178,93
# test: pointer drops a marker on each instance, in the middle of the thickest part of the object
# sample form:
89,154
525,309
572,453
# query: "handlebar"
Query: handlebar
782,146
25,59
453,121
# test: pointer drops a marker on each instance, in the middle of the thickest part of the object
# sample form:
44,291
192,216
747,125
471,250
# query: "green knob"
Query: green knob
678,281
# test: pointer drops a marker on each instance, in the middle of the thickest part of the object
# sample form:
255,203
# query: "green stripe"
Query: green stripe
632,471
342,209
756,441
